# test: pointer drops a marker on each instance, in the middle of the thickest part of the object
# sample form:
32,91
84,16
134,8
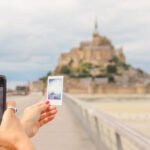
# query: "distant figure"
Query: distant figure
52,95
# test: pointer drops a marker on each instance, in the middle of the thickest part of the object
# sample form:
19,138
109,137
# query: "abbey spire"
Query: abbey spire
96,26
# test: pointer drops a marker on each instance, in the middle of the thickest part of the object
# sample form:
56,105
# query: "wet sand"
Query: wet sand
133,110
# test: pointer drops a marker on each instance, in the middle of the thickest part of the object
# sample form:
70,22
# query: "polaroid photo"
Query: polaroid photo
55,89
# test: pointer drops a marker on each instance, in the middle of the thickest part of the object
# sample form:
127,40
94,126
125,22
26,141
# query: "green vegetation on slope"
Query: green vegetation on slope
85,69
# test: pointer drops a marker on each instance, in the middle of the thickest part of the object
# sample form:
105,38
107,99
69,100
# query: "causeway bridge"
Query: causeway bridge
78,126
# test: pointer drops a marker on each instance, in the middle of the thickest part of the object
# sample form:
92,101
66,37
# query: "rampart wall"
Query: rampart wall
77,86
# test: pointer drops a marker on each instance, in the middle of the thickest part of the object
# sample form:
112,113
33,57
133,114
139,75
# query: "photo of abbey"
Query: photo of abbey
55,88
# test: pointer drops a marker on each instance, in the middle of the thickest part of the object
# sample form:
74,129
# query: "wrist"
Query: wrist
27,127
6,144
23,142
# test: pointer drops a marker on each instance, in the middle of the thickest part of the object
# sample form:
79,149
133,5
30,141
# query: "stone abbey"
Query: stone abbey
98,67
97,52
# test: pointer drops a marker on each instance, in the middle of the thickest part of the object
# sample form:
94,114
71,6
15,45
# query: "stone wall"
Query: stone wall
36,86
77,86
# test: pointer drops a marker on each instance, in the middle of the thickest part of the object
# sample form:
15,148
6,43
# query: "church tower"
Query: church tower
96,27
96,37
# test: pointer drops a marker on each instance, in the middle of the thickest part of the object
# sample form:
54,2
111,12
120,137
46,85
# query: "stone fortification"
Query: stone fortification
98,52
98,67
80,86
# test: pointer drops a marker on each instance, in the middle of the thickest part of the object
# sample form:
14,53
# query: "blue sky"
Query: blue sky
33,33
55,85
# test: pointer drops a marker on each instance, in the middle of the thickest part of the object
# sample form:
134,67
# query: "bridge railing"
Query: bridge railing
106,132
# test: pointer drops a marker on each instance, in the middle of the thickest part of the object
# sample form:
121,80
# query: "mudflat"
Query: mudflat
133,110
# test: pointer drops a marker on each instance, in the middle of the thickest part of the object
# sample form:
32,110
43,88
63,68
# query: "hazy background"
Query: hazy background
33,33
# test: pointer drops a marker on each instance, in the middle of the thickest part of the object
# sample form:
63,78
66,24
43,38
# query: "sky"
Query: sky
55,85
33,33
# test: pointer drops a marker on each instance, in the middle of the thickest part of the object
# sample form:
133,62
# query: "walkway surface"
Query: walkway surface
63,133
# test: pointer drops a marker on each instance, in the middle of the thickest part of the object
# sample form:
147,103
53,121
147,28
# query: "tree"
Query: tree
44,78
83,69
49,73
65,70
125,66
140,71
111,69
111,79
115,60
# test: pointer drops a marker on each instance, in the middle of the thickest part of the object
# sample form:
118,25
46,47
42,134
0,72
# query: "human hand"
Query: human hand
12,131
36,116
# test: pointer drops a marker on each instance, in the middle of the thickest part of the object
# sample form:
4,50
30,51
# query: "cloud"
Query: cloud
34,33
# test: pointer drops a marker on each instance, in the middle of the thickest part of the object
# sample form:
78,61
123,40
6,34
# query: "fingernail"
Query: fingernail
47,102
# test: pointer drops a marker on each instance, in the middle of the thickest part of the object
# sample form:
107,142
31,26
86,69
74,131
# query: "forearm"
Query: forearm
24,144
5,144
21,144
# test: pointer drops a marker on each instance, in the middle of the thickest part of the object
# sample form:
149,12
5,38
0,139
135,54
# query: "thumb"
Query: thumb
43,106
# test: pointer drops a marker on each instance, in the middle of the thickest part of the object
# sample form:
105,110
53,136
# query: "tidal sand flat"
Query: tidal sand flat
133,110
